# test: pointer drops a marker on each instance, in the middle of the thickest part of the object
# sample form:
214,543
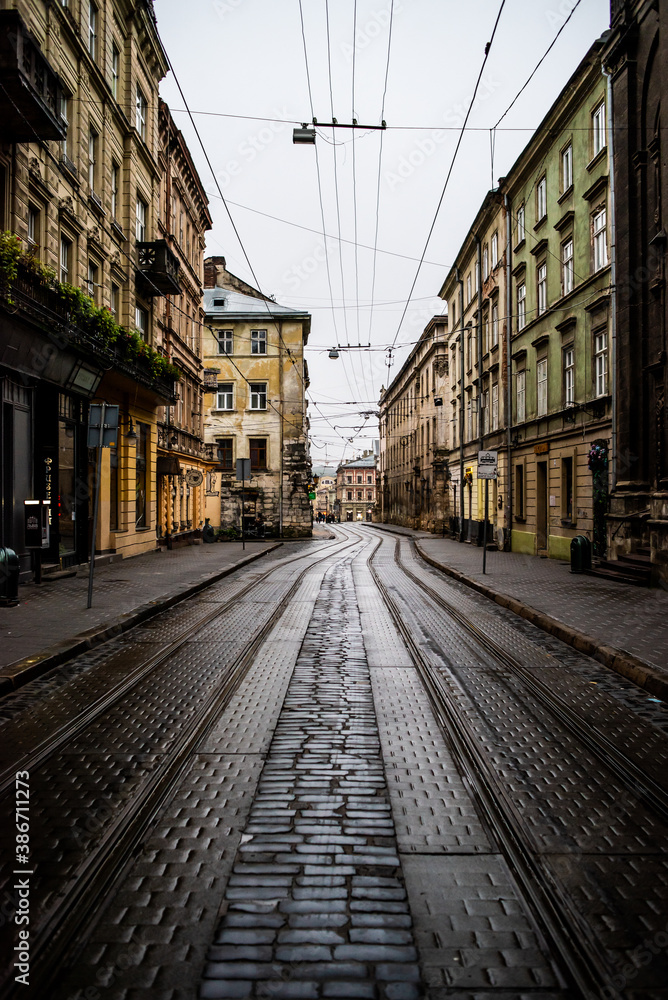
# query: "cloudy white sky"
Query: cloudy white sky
242,68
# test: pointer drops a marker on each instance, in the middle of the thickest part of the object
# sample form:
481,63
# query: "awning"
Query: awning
168,465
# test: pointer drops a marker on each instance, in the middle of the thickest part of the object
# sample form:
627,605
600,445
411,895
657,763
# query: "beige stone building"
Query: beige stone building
475,291
255,407
80,186
183,460
415,436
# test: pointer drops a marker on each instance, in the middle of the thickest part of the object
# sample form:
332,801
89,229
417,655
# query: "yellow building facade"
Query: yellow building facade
255,408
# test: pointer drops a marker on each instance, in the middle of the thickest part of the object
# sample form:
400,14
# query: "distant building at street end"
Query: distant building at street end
255,407
325,491
415,436
356,488
636,55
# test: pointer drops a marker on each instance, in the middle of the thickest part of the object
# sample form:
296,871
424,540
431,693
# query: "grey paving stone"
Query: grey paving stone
354,990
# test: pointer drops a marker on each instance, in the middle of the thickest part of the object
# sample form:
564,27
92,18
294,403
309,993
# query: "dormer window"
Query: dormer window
219,303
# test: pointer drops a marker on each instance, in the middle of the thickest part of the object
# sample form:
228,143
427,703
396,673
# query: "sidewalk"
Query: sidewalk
623,626
51,623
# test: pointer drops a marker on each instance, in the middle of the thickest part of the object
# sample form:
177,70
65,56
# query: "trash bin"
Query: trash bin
580,554
9,577
208,534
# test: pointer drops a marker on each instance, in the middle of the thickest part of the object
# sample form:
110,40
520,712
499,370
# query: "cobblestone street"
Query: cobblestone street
338,772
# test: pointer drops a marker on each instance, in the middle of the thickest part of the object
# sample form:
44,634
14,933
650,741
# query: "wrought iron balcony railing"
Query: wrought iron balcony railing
31,92
159,267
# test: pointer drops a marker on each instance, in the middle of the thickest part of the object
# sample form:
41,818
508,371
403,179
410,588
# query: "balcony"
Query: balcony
159,268
30,97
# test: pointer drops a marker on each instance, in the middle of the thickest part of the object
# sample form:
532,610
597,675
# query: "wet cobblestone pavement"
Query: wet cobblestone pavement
312,781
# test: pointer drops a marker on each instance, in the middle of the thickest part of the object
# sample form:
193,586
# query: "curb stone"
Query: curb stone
629,666
15,675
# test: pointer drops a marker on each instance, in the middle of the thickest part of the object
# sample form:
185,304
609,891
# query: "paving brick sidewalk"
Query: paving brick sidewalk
631,619
55,615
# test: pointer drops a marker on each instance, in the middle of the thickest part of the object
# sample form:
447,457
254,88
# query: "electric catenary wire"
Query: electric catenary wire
452,164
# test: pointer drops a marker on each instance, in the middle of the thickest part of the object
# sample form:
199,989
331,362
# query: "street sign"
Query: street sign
109,430
243,468
487,464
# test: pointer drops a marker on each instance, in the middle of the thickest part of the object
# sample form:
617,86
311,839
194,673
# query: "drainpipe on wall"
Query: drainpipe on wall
461,405
479,340
613,282
509,364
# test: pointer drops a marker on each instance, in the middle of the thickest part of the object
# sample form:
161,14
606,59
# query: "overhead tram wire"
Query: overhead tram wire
236,231
488,48
492,131
336,176
317,167
380,163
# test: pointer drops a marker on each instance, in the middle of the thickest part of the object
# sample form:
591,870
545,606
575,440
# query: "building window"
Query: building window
92,159
114,302
141,321
33,226
225,396
567,489
359,478
569,376
350,494
225,341
598,128
115,70
140,113
600,364
115,182
495,406
92,282
64,103
258,341
541,199
495,324
141,504
600,240
258,395
521,396
369,479
541,287
225,448
485,262
468,288
495,250
484,402
258,454
521,306
65,259
140,220
92,29
359,494
567,266
567,168
369,495
541,387
519,490
349,479
521,227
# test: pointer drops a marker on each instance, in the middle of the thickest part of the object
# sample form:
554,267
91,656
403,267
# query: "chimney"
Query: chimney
211,272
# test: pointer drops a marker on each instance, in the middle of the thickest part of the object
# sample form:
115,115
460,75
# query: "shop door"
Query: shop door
541,505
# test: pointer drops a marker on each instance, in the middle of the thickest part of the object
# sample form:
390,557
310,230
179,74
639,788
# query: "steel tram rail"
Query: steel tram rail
581,965
58,937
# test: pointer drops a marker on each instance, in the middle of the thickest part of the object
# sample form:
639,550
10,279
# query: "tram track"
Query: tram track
642,784
584,966
39,754
60,930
